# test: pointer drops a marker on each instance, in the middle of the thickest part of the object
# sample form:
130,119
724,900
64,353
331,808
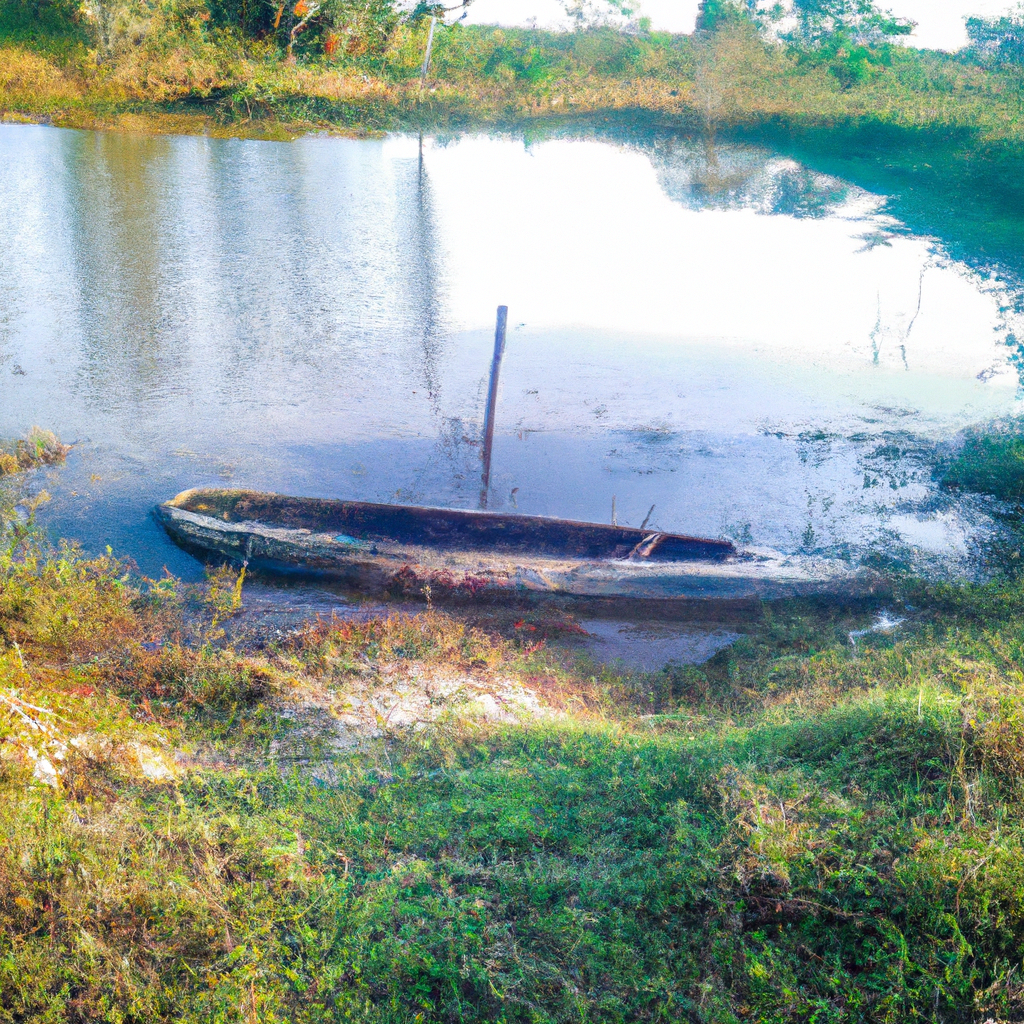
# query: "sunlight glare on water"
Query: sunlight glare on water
606,248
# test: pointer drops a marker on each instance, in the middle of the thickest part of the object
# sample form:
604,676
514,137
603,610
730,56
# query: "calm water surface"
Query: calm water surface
756,349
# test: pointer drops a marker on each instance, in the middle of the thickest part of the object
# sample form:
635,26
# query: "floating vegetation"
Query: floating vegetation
38,448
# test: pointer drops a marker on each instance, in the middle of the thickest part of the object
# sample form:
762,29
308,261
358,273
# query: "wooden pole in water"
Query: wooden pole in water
492,401
426,56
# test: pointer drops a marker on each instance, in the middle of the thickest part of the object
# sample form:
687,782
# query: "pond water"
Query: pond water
756,349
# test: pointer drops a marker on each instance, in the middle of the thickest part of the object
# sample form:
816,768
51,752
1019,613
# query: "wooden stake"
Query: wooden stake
492,401
426,56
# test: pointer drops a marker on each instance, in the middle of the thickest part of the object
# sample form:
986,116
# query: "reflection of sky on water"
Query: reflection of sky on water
753,348
827,280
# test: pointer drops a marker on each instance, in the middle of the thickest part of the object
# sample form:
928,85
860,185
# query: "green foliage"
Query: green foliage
715,15
543,59
989,463
248,17
64,605
851,38
53,24
860,22
1000,39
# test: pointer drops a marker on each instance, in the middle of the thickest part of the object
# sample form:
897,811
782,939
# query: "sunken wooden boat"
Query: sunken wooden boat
442,552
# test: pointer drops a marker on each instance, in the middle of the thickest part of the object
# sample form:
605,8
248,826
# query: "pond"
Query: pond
755,349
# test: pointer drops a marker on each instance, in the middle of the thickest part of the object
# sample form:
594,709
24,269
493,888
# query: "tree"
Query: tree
851,37
584,14
1000,40
714,15
727,62
837,22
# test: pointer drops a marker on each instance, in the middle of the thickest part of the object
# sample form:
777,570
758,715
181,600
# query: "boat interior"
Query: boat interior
450,529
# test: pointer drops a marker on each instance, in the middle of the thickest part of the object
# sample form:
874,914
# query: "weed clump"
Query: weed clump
193,680
38,448
429,636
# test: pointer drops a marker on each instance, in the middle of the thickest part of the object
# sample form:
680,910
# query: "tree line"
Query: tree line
852,37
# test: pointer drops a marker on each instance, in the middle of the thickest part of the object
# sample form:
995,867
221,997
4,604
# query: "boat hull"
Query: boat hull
212,523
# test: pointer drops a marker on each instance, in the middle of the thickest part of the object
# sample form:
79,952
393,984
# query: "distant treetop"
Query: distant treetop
998,39
860,22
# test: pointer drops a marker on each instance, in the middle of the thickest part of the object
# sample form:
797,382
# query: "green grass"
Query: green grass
990,462
799,830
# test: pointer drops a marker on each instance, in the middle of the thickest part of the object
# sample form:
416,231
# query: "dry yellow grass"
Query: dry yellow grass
30,82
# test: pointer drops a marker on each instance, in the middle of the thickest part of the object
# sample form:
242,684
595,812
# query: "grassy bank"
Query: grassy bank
483,76
338,825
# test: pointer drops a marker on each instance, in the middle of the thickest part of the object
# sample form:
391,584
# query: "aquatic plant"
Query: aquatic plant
38,448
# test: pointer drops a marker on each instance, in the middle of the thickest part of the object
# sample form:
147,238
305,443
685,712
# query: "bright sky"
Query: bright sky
940,22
